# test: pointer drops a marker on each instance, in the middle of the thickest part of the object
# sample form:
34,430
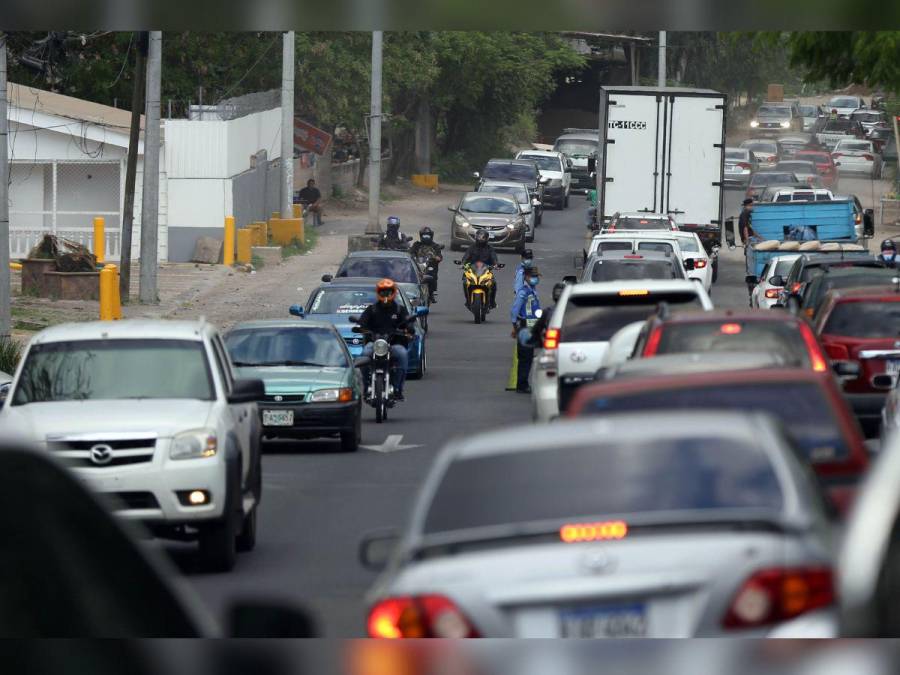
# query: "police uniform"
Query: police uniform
523,314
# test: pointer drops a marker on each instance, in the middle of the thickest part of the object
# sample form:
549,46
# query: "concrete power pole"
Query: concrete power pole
150,205
5,290
374,227
662,58
287,126
134,138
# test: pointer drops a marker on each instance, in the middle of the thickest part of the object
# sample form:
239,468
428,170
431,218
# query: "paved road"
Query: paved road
318,503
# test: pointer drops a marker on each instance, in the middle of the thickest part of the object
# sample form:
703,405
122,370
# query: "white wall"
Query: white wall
29,143
199,202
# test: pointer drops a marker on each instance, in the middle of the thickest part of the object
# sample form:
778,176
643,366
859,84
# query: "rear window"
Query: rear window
778,337
659,246
401,270
803,406
616,270
808,110
689,244
817,290
782,268
818,157
631,223
869,319
520,173
838,125
595,318
773,179
761,146
626,478
736,154
797,167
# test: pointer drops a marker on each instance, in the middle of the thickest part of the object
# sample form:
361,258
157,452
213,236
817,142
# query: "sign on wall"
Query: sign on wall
310,138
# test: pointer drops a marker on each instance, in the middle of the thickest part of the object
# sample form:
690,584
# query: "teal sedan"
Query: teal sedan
313,386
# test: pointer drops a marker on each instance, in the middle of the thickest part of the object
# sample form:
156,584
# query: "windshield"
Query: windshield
866,116
520,193
773,179
867,319
520,173
85,370
544,162
483,204
282,346
843,102
616,270
628,477
689,244
774,111
641,223
777,337
401,270
863,277
803,406
340,301
595,318
577,148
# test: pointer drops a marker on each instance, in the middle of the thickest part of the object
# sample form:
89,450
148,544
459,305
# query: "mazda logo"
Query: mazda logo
279,397
101,454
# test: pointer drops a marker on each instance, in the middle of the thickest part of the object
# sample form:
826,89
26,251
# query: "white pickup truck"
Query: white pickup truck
150,416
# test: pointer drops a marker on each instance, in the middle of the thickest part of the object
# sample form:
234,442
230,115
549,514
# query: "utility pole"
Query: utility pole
287,126
5,290
150,201
662,58
134,138
374,227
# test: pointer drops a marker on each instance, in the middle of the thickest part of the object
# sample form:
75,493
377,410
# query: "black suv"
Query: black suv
518,171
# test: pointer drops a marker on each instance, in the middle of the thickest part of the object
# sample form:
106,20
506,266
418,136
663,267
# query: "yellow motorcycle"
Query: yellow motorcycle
478,280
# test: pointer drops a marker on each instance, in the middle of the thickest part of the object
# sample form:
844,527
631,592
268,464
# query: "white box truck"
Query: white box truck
662,150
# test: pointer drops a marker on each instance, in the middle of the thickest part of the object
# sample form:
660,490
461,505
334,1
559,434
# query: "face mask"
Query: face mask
426,238
534,281
888,255
528,262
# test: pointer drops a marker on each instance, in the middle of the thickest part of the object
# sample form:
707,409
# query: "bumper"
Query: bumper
581,181
512,239
742,179
867,408
859,168
312,420
554,193
545,407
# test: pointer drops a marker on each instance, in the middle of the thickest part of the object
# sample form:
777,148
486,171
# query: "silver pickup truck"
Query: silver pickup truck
836,130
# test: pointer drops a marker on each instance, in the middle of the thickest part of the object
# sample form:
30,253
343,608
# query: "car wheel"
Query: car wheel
218,549
566,201
529,237
246,540
423,364
715,270
350,439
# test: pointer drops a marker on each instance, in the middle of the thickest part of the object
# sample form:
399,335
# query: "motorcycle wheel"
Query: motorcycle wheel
478,308
380,404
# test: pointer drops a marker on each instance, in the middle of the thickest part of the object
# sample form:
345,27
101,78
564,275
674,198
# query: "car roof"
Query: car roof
823,258
496,195
864,292
642,234
380,254
488,182
300,324
126,329
725,315
522,162
580,135
689,363
652,285
540,153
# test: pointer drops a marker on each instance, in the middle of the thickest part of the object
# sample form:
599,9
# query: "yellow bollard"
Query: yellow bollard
15,266
99,239
228,242
513,380
244,245
276,214
110,301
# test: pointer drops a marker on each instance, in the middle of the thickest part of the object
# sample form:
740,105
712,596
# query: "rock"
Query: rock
207,250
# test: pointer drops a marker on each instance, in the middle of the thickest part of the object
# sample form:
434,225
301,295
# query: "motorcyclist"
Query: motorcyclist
386,317
482,251
523,315
428,248
393,239
888,253
526,264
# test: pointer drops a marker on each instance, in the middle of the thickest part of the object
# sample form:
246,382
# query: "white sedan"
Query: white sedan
858,157
765,294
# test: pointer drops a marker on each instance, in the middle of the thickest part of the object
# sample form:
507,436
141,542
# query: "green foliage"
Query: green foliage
297,247
842,58
10,354
257,262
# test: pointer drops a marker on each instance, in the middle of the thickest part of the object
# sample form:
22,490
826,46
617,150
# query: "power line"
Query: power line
250,69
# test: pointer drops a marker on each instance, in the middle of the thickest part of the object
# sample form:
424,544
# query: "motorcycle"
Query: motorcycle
379,390
429,266
478,280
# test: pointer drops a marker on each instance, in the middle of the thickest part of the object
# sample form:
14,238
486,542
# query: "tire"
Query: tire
380,406
566,201
350,440
715,270
246,540
218,540
529,237
423,365
484,313
478,308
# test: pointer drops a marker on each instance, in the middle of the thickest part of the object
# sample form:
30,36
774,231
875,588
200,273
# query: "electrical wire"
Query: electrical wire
250,69
124,62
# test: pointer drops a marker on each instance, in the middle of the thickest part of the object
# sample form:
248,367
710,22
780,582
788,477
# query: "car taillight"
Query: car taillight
816,356
836,154
421,616
868,157
771,158
837,351
744,165
652,345
795,288
775,595
551,338
699,263
771,293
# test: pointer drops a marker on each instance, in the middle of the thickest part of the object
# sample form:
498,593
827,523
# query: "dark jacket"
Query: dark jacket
393,243
476,253
384,319
744,223
432,250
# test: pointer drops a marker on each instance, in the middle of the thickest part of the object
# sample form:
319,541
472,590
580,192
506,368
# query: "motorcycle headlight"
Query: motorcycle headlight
754,124
331,395
381,348
194,444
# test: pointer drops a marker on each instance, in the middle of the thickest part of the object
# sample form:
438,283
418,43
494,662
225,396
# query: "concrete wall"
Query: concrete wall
256,193
341,175
198,209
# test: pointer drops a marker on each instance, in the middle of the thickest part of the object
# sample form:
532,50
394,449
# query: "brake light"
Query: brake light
771,158
652,345
579,532
730,329
634,291
816,357
771,293
744,165
699,263
422,616
551,338
633,257
837,351
774,595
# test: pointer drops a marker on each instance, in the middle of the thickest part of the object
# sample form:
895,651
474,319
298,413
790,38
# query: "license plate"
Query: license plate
604,622
278,418
892,366
492,235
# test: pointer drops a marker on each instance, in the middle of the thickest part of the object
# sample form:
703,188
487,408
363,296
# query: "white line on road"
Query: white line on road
391,444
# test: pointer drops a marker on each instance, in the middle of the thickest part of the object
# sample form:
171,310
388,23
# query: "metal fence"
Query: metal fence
63,197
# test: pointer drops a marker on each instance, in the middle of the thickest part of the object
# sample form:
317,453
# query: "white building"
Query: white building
67,165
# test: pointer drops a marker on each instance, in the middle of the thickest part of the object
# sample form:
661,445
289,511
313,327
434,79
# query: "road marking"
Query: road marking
391,444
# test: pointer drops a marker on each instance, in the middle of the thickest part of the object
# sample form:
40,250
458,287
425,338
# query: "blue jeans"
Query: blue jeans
399,364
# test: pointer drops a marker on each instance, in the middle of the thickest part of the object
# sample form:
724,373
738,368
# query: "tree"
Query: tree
842,58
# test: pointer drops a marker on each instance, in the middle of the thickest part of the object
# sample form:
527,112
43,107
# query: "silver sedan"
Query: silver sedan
652,524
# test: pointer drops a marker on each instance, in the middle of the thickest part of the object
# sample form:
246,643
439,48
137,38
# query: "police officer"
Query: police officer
523,315
888,253
526,264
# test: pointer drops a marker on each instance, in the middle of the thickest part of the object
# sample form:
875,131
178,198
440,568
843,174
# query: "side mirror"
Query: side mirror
4,392
689,264
427,279
848,369
375,549
544,180
500,266
247,391
776,280
265,620
451,208
570,279
296,310
728,228
751,280
422,311
326,278
476,175
361,361
883,381
869,222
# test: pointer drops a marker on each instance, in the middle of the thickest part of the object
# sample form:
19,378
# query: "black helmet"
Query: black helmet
888,245
426,234
527,253
481,237
393,223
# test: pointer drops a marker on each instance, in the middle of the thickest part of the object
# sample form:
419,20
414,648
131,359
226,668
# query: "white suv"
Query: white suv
586,317
558,168
150,416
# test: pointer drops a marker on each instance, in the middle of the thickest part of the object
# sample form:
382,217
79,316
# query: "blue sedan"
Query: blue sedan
336,301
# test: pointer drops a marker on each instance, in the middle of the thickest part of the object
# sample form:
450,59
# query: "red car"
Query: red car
809,403
734,331
863,325
824,165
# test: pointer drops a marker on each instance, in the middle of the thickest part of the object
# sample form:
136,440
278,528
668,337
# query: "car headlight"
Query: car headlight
381,348
513,224
754,124
460,221
194,444
331,395
785,125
